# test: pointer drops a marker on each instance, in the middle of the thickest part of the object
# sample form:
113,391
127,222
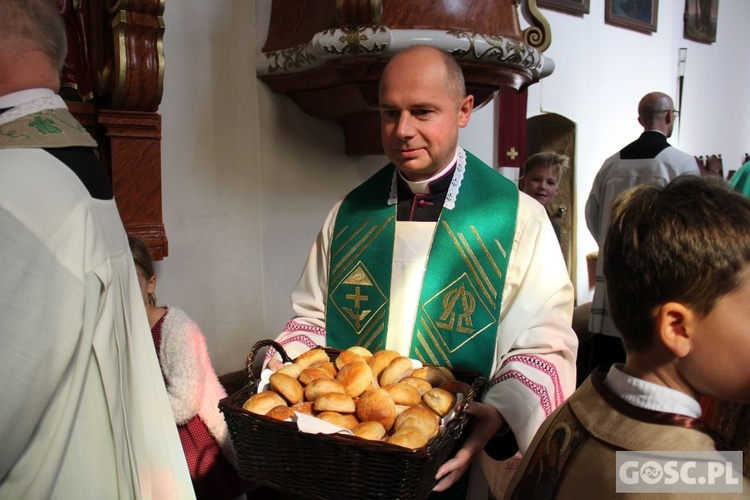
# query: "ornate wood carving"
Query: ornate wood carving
328,55
113,80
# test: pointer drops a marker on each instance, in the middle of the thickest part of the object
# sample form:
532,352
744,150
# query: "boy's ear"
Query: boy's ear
674,323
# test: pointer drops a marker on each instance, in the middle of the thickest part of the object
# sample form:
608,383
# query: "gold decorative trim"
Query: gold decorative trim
354,41
539,34
119,24
357,249
506,50
469,258
160,56
116,5
376,11
339,12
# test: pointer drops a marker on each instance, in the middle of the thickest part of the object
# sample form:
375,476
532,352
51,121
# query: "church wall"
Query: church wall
602,71
247,178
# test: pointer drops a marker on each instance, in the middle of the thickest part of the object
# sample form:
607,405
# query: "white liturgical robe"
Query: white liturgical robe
534,364
84,410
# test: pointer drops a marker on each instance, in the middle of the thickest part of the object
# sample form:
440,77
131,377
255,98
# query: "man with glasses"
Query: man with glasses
647,160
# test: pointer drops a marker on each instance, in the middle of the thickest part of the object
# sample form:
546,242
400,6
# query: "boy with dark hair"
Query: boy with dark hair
677,270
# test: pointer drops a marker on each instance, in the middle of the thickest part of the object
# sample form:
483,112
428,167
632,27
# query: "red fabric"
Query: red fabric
511,128
708,406
201,450
213,477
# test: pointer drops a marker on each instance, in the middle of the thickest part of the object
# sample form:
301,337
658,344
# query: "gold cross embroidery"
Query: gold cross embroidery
357,297
512,154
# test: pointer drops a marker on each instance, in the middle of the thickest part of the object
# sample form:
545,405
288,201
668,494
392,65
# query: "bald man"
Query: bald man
484,289
648,160
84,410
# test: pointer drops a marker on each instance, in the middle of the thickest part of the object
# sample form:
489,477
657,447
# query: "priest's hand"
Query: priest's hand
275,364
487,422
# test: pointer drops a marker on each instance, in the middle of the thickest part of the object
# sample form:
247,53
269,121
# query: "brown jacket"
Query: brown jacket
572,455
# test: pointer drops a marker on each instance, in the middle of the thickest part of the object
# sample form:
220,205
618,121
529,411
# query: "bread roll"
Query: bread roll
377,405
420,384
321,386
362,351
409,437
291,370
356,377
403,394
305,407
328,366
420,417
334,401
312,356
434,375
348,421
346,357
263,402
372,430
280,412
401,408
286,386
311,373
380,360
399,368
448,374
439,400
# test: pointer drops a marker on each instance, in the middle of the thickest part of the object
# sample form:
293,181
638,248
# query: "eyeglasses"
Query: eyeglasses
674,111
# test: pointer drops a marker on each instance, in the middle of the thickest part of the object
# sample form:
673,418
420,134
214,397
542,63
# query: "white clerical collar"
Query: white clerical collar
23,96
658,131
644,394
423,187
459,160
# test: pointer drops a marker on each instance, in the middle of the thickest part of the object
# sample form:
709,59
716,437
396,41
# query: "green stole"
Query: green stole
459,304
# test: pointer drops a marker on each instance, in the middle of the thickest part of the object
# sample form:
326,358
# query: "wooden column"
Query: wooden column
135,152
113,81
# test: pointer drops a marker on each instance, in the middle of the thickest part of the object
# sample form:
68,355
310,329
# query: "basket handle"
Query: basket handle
254,350
456,426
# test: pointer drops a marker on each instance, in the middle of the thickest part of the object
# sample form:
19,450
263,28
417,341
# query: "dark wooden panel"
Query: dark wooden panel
295,22
116,66
479,16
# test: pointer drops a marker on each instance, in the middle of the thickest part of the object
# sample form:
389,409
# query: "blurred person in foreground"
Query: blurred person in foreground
84,411
439,234
686,335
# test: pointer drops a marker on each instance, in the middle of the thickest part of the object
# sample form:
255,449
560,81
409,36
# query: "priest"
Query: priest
440,258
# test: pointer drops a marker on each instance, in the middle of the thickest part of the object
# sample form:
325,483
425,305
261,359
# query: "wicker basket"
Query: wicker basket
330,466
